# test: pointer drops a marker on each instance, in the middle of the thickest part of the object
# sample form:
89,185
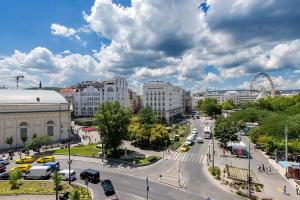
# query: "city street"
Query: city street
130,183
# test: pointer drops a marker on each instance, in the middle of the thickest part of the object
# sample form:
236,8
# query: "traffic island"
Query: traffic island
37,187
234,179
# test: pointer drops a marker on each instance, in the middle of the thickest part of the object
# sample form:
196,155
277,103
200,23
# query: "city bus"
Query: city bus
207,132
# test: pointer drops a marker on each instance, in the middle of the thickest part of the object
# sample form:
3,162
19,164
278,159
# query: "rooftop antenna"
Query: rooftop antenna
17,79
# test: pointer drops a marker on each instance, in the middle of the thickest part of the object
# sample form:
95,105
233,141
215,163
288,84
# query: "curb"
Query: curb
216,183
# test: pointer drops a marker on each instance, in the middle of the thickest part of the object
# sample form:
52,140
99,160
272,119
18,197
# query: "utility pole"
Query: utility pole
286,142
56,183
17,79
213,145
69,162
147,186
249,175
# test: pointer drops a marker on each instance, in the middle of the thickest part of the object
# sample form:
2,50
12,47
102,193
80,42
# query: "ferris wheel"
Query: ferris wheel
261,86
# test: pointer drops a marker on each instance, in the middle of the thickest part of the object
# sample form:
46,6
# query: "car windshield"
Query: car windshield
107,185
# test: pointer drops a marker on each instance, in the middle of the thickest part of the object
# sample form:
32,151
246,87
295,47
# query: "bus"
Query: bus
207,132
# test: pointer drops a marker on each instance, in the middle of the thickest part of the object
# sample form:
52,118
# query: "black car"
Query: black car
90,175
4,176
2,168
108,187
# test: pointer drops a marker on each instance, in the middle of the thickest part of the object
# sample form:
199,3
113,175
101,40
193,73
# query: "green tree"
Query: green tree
24,139
227,105
9,141
112,121
14,179
225,131
138,132
38,142
241,125
210,107
56,177
147,116
159,135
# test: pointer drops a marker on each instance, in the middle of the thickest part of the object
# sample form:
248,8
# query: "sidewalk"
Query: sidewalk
273,183
29,197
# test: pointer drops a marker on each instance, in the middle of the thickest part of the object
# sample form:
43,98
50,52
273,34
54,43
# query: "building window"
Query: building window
50,129
23,130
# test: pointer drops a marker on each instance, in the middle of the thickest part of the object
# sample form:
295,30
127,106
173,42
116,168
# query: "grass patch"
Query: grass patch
41,188
85,150
143,161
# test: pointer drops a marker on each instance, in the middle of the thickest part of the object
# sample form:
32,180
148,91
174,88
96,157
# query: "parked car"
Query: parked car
65,174
2,168
90,175
4,160
4,176
199,139
108,187
46,159
26,159
184,148
53,165
38,172
23,167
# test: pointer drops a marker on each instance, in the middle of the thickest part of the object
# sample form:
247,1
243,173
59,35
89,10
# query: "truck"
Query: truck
207,132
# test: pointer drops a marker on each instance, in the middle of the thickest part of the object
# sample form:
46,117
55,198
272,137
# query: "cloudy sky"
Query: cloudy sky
220,44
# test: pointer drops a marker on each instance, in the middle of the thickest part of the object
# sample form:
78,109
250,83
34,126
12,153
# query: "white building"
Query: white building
25,113
89,95
230,95
165,99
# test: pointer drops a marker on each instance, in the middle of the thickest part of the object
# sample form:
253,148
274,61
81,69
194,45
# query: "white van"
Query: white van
38,172
65,174
190,139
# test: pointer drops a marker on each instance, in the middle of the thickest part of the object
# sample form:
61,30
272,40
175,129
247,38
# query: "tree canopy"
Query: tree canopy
144,129
225,131
147,116
112,121
210,107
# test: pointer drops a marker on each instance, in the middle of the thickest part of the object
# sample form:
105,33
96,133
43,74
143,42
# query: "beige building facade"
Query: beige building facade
25,113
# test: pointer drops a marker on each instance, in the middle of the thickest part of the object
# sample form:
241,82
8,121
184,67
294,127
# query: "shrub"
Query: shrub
75,195
14,179
216,172
56,180
152,158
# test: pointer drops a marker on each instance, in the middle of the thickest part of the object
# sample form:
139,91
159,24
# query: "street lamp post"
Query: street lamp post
213,146
147,186
249,176
69,162
286,142
56,184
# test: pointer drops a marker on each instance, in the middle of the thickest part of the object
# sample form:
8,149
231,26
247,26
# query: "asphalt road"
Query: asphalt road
130,184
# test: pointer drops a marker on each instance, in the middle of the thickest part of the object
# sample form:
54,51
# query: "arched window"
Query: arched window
50,128
23,130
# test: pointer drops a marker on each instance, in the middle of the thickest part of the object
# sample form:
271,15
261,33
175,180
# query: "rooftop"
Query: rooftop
31,97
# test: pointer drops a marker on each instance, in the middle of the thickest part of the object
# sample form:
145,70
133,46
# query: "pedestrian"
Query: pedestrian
259,168
284,189
270,170
263,167
297,190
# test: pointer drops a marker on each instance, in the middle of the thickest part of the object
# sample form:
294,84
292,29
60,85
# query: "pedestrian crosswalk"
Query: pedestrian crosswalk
188,157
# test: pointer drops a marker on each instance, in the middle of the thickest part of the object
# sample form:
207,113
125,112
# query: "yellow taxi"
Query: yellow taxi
46,159
23,167
26,159
184,148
